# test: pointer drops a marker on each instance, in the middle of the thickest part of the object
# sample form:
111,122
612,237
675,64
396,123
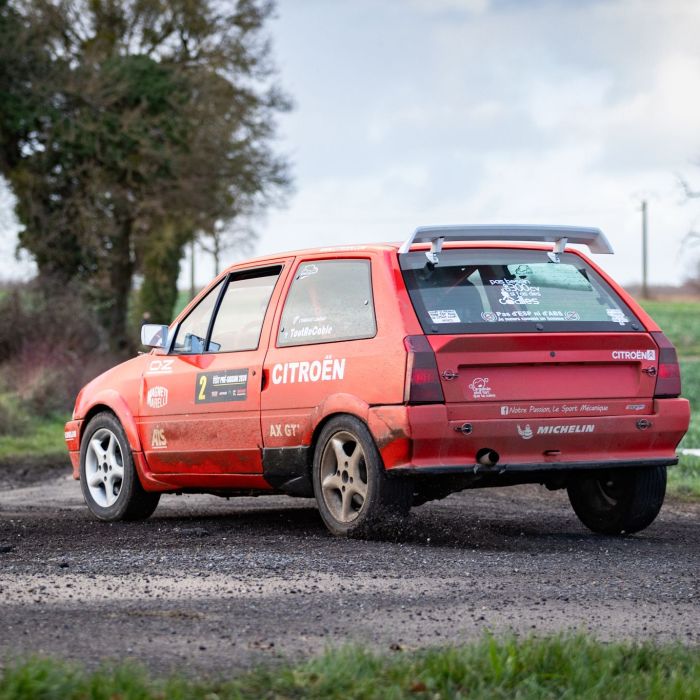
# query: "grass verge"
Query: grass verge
557,667
42,439
680,321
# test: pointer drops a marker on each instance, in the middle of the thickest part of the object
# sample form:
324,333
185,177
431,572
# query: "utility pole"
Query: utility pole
192,290
645,281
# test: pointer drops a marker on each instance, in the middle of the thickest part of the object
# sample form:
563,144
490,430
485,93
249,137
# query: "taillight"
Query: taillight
422,376
668,378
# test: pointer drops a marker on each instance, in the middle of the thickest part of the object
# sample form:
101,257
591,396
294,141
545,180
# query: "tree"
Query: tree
155,126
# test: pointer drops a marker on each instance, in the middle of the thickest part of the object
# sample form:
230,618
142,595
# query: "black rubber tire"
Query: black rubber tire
619,501
133,502
388,499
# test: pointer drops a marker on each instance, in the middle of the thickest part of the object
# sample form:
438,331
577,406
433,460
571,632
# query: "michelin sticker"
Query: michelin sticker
526,432
224,385
444,316
326,370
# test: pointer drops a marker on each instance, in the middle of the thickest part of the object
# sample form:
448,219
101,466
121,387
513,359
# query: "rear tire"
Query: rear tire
355,496
108,477
619,501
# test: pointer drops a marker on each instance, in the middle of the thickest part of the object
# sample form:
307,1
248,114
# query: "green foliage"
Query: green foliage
556,667
680,321
127,129
690,377
684,479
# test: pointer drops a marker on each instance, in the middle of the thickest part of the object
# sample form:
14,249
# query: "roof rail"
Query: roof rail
594,238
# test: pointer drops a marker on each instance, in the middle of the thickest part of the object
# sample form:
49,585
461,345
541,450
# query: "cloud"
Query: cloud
435,7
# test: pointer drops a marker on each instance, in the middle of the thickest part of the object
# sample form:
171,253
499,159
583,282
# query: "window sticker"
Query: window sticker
489,316
224,385
617,316
444,316
307,271
517,292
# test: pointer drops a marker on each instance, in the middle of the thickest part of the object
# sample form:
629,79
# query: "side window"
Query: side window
329,300
240,317
192,333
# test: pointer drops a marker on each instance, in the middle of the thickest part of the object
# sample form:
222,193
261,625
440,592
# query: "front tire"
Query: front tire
619,501
354,495
108,478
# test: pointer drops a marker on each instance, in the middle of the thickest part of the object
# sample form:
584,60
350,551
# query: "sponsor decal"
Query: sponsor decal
320,331
572,316
158,440
564,429
554,409
157,397
444,316
160,367
635,406
284,430
307,271
585,408
70,434
526,432
480,388
634,355
489,316
222,385
617,316
326,370
517,292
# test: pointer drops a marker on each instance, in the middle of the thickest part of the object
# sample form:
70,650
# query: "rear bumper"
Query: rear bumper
446,438
532,467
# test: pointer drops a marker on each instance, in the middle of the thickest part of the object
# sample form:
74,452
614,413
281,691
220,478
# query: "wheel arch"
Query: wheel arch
112,402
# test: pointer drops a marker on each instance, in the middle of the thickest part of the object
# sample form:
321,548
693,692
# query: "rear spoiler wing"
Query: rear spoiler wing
559,235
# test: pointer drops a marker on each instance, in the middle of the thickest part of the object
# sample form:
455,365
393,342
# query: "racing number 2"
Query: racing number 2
202,387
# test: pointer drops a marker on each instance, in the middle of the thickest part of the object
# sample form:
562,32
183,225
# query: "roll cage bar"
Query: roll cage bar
594,238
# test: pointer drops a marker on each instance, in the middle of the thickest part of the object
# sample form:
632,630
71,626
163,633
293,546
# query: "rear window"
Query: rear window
492,291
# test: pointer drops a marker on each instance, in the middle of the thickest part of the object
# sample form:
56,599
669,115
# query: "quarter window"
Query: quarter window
328,301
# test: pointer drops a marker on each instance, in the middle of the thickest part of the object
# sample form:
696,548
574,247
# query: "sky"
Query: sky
413,112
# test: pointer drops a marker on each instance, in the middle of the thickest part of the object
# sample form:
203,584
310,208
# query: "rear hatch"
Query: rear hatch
539,362
529,335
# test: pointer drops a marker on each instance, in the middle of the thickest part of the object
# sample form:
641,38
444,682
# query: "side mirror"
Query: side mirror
154,336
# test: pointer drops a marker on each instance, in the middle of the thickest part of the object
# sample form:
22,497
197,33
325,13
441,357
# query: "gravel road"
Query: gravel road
209,585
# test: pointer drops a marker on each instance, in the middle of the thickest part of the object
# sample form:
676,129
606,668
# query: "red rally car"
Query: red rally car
377,377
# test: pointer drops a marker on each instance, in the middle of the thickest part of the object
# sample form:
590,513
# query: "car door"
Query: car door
200,403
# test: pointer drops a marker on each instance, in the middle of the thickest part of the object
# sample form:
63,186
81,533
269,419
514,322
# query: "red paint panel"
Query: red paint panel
534,367
438,440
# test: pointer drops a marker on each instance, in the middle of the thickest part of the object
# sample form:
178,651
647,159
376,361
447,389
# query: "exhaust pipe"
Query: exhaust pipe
487,457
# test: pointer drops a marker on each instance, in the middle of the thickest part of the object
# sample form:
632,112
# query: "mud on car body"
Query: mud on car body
378,377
